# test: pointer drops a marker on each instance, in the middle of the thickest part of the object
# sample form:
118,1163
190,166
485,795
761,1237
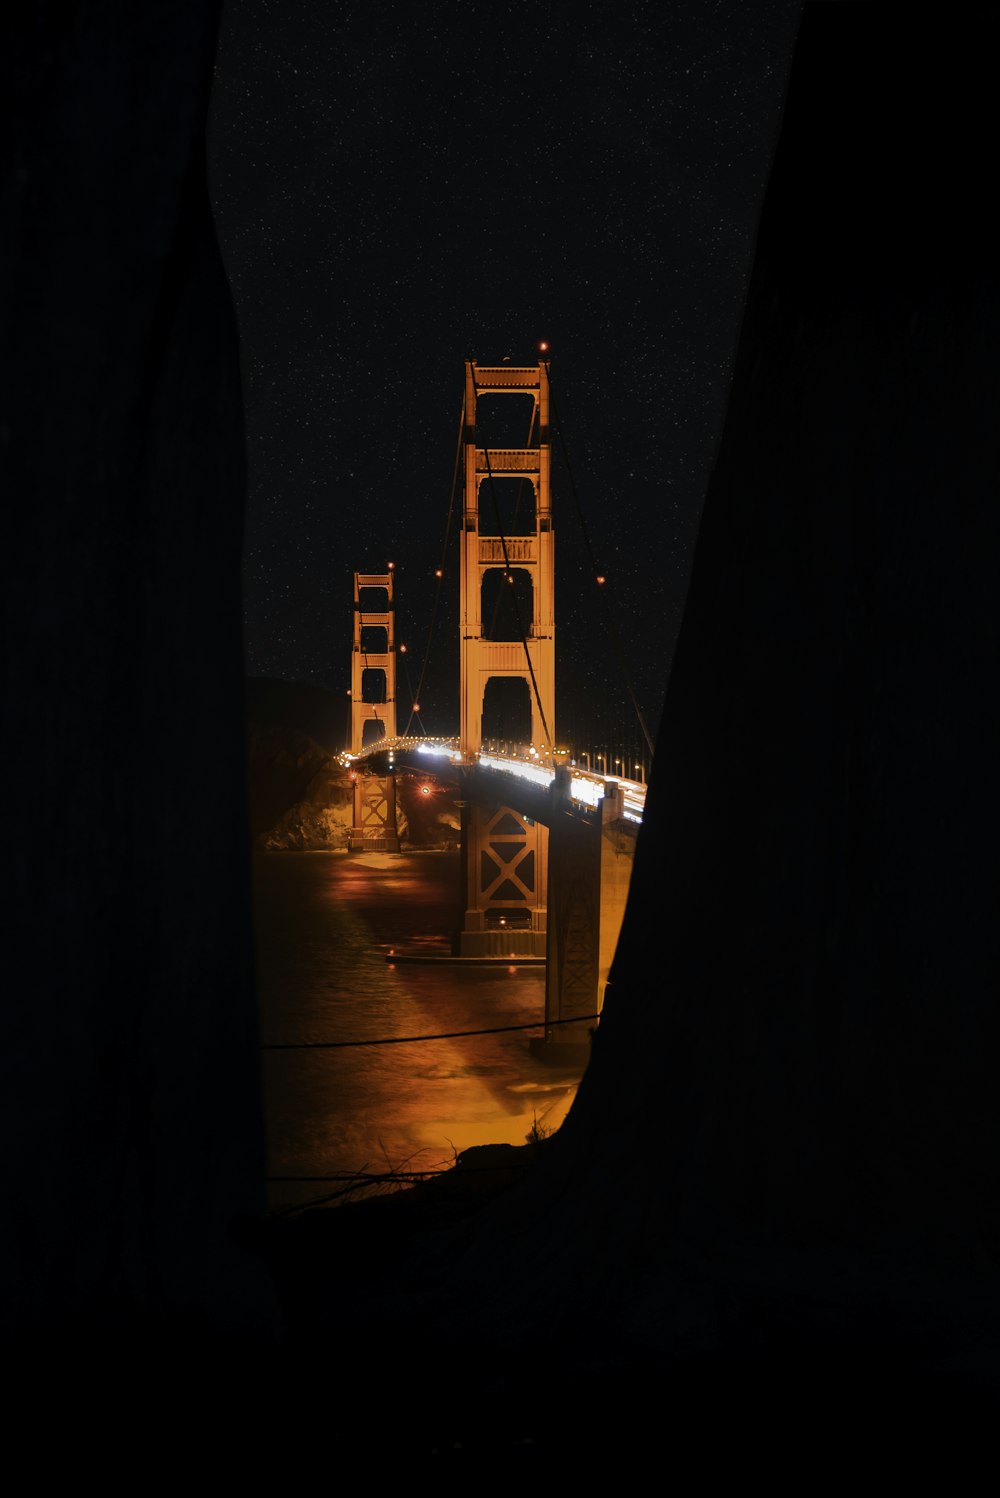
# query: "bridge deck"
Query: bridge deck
520,772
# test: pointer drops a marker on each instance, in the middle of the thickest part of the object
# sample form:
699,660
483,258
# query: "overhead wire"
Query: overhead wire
342,1045
363,1180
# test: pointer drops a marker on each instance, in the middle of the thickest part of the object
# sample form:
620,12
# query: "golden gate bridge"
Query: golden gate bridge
547,844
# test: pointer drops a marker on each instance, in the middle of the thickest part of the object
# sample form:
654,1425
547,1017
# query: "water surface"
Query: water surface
325,925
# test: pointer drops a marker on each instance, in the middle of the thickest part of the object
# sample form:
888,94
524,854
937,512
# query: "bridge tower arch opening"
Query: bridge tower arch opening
372,730
507,603
373,710
505,855
506,712
373,670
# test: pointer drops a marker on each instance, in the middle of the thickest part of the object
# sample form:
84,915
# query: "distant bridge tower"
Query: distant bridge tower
373,660
504,855
373,709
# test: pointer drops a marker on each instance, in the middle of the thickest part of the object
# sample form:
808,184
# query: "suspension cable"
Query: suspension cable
608,614
440,571
414,696
507,571
414,701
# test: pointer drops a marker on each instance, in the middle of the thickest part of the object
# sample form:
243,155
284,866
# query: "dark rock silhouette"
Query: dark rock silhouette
783,1160
300,796
299,705
131,1135
813,907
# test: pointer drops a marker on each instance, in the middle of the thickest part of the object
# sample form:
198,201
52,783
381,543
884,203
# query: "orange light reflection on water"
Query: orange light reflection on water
327,925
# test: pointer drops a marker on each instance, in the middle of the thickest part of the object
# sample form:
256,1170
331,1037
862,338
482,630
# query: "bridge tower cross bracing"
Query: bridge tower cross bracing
504,854
483,659
373,709
377,709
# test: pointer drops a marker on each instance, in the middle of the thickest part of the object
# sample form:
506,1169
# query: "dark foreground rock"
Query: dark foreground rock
768,1236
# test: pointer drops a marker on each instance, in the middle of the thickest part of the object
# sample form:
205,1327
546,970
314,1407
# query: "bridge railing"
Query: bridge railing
522,760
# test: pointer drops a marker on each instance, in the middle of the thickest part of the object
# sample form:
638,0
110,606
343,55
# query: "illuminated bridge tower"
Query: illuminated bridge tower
504,855
373,710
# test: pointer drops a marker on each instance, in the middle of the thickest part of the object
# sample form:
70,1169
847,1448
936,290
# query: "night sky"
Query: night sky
398,186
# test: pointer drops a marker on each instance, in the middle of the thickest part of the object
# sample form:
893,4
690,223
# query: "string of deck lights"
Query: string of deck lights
586,786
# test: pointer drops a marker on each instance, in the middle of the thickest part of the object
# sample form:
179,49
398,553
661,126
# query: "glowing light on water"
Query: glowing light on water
346,983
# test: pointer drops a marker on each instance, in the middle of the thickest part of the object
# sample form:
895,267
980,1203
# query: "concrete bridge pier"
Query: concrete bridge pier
503,880
376,825
589,867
